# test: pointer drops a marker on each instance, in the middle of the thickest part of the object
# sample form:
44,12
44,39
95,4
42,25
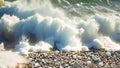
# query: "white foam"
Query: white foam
8,21
107,43
52,28
10,59
24,48
2,47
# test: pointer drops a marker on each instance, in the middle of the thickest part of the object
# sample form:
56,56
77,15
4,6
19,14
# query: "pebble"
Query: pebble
61,67
37,65
30,59
66,65
89,62
106,65
56,52
57,63
95,58
64,51
108,54
117,54
78,4
74,56
79,57
42,60
69,67
58,59
88,58
100,64
45,54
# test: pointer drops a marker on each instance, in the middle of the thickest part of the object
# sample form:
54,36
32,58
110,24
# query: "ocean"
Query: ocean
78,25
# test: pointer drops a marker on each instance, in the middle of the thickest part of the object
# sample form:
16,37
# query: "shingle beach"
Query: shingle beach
73,59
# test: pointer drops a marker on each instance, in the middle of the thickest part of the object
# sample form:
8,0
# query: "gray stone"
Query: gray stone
56,52
117,54
37,65
88,58
66,65
45,54
108,54
74,57
79,57
100,64
89,62
61,66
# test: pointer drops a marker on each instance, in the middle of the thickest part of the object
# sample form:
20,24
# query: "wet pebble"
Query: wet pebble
108,54
95,58
117,54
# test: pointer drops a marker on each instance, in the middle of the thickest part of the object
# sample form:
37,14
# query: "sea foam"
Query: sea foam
45,26
10,59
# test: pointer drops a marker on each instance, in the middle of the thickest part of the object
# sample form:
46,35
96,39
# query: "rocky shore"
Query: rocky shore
74,59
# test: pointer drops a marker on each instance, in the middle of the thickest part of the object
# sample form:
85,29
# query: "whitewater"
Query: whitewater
38,24
42,25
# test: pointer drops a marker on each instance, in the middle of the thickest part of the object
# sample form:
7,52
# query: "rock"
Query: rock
56,52
69,67
43,60
117,54
79,57
64,51
108,54
61,66
74,57
89,62
118,65
99,59
100,64
57,63
58,59
94,58
45,54
88,58
106,65
30,59
66,65
37,65
84,48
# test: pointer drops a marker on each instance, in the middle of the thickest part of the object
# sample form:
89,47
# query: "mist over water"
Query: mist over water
60,24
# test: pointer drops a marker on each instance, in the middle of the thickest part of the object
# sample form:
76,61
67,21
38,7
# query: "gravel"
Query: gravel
74,59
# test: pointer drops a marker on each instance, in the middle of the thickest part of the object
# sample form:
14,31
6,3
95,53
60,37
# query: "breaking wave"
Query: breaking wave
60,24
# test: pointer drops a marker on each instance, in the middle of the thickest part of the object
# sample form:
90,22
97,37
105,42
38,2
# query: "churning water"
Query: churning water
60,24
